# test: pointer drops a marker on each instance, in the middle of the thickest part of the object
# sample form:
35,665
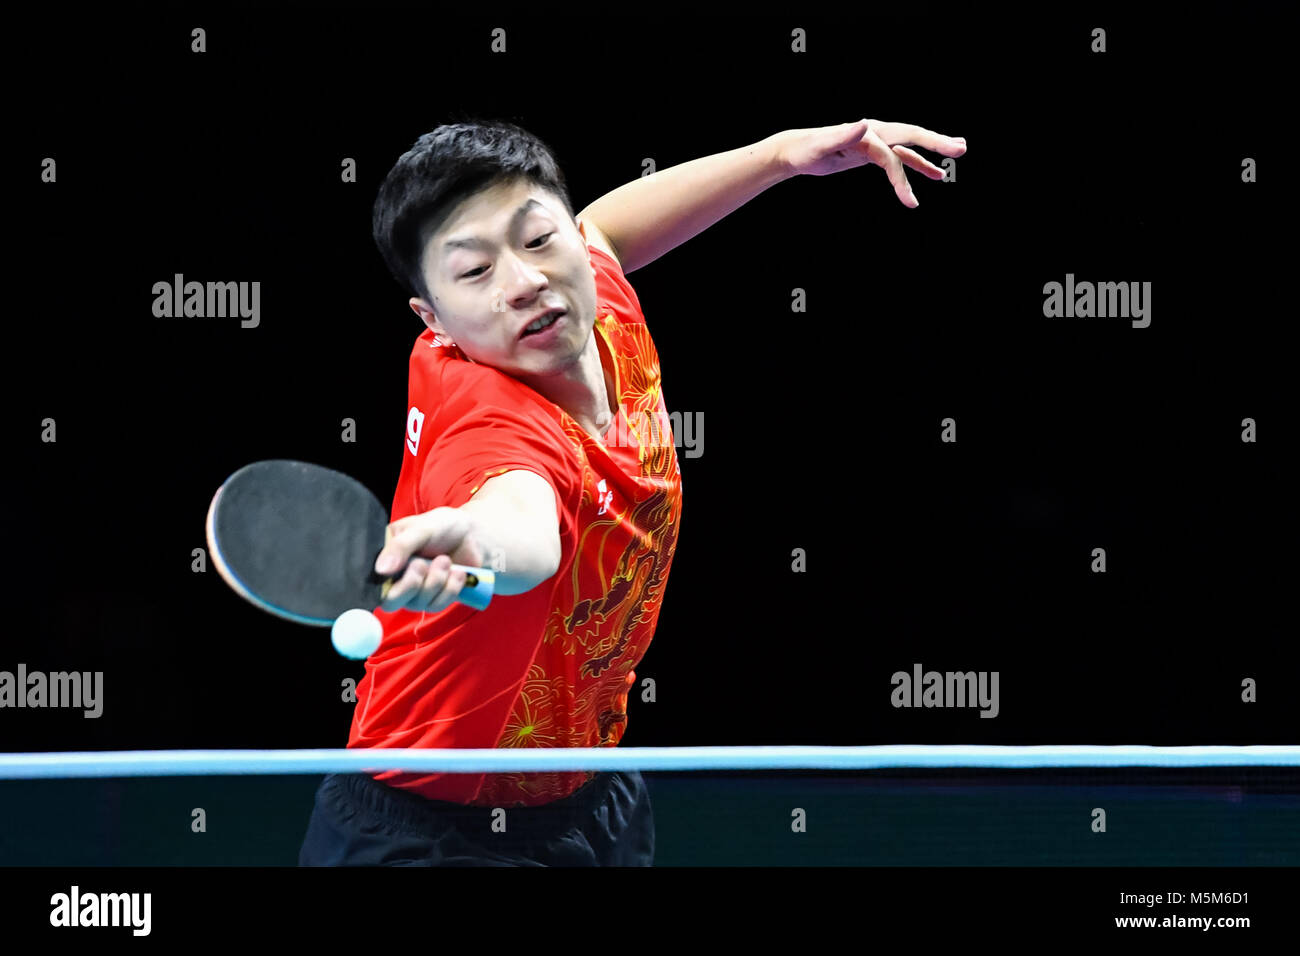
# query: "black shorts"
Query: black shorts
360,821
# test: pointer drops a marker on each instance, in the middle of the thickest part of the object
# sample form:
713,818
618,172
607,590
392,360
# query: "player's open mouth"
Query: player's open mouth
543,324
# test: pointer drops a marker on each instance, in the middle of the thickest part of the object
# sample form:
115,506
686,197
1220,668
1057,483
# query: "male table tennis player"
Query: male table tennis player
548,456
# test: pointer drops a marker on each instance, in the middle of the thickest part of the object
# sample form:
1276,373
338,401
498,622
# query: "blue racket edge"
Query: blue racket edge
476,594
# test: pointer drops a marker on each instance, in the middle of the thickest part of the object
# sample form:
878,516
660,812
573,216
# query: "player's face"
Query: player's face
505,255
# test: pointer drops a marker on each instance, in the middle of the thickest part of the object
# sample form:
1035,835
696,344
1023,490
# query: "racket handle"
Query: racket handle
477,592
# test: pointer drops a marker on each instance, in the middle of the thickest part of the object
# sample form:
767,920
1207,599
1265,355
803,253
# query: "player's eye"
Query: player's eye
530,245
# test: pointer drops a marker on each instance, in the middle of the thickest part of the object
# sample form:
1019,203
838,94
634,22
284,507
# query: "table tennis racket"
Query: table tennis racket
300,541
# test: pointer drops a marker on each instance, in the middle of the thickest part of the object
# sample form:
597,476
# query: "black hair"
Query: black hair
444,167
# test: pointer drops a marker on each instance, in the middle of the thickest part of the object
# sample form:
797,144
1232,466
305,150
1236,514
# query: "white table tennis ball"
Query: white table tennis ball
356,633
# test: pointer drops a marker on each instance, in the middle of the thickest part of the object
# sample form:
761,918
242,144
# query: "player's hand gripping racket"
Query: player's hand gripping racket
300,541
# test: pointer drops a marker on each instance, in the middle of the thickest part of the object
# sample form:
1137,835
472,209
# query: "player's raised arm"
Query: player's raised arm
510,526
649,216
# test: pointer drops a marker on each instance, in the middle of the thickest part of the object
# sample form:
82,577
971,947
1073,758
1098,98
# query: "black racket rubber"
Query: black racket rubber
298,540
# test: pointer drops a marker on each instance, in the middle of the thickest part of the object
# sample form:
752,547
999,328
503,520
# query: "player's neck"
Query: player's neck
585,392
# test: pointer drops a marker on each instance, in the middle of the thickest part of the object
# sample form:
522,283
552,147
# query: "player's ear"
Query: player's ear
421,308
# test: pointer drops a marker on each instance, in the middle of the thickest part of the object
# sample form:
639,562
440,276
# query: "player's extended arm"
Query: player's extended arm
509,526
513,519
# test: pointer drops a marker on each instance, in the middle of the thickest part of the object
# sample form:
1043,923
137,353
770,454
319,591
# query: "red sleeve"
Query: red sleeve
612,286
487,424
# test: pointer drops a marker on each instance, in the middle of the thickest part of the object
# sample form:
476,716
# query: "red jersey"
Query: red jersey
552,667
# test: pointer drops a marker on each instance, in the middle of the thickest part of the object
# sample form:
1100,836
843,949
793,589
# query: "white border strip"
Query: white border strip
168,763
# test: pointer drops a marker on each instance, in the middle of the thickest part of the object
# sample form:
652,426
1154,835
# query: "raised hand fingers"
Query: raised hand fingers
918,162
884,157
894,134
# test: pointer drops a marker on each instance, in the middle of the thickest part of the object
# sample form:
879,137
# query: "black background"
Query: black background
822,428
